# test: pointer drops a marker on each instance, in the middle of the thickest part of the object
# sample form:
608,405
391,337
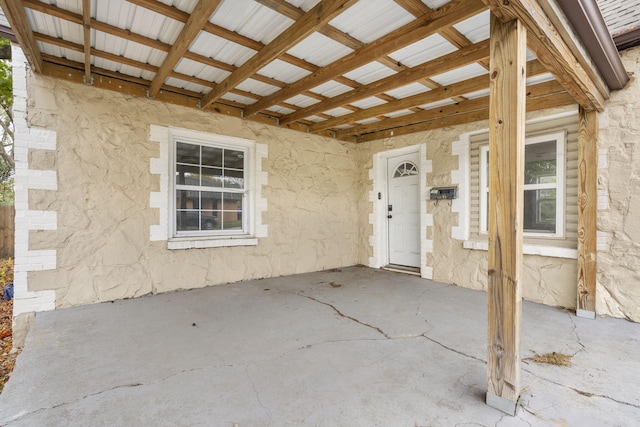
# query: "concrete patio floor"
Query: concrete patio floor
349,347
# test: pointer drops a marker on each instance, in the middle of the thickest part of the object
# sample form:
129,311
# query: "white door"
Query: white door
404,210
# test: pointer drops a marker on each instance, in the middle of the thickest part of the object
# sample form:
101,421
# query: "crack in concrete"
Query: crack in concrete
453,349
255,391
387,336
341,314
582,392
117,387
575,332
28,414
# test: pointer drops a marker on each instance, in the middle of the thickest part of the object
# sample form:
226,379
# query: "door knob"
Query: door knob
389,216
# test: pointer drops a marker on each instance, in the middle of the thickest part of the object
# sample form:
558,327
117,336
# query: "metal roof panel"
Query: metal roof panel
250,19
424,50
369,73
460,74
259,88
371,19
221,49
408,90
331,89
476,28
368,102
319,50
283,71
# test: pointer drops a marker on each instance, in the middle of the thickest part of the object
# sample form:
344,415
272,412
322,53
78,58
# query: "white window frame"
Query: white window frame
559,185
244,191
214,238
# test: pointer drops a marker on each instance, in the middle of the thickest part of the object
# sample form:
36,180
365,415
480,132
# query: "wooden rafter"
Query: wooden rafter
444,92
316,18
86,26
534,91
534,104
551,49
439,65
196,21
14,11
428,24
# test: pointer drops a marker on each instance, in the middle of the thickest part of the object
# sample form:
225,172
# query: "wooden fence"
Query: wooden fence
7,231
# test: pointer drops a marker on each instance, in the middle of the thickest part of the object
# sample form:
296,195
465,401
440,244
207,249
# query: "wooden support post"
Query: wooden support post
506,202
587,212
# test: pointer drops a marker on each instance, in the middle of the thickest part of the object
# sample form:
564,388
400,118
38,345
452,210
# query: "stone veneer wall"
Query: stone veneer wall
618,289
104,214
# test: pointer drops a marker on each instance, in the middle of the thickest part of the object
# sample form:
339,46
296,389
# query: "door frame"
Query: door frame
379,238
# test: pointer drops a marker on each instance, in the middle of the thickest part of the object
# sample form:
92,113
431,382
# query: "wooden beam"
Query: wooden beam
545,89
549,47
193,26
536,104
587,212
449,14
444,92
450,34
138,87
14,11
506,206
456,59
293,12
86,25
562,24
316,18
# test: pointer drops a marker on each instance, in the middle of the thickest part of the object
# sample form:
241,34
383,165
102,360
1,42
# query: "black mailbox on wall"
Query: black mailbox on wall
443,193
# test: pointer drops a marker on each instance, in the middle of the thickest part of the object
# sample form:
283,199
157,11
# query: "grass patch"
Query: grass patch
553,358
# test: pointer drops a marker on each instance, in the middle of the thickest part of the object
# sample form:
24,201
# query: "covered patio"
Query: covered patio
353,346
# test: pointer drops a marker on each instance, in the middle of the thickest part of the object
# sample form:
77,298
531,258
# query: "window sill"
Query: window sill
528,249
178,243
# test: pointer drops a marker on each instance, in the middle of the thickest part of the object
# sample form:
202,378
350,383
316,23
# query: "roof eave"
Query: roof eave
588,23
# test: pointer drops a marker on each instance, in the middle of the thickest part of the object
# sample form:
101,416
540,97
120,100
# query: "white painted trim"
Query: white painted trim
462,177
30,138
178,243
560,139
163,200
528,249
378,239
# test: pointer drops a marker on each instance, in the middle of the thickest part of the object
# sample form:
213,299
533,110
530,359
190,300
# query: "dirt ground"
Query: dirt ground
7,358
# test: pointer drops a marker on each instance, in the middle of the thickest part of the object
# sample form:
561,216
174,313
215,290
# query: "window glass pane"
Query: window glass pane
187,220
233,179
211,177
187,199
540,163
212,156
212,200
540,211
187,175
187,153
209,220
233,159
232,202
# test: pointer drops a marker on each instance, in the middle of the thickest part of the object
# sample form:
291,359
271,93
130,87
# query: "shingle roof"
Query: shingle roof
623,20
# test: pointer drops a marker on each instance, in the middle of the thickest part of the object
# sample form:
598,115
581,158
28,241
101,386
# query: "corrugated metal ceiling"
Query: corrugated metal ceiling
131,39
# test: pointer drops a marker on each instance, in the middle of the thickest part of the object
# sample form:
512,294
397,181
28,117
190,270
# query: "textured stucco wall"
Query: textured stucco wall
102,202
618,290
548,280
